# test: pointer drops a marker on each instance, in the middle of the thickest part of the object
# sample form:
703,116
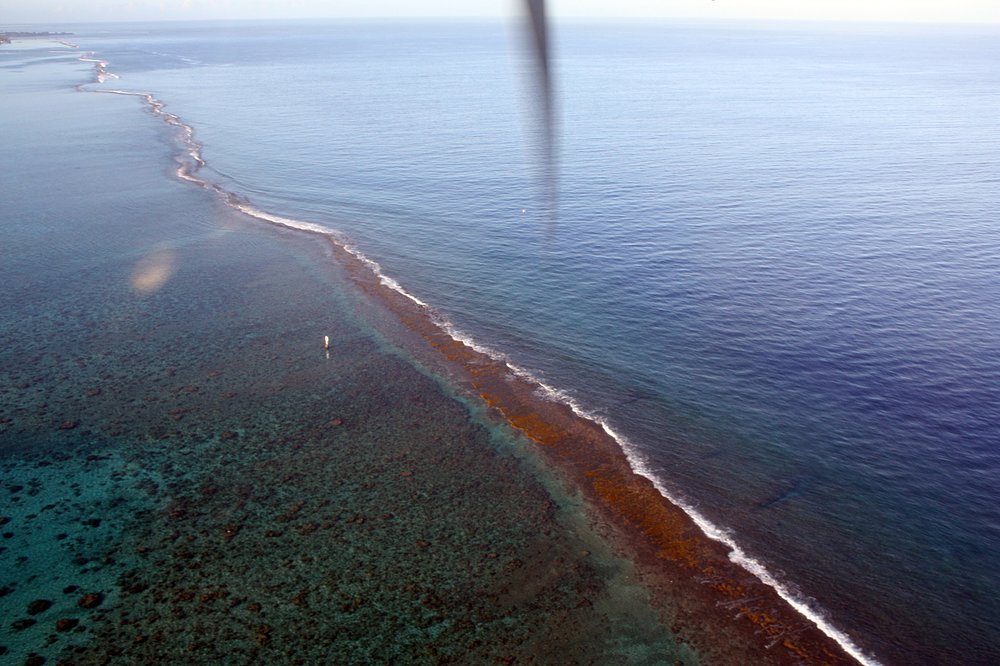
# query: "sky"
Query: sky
69,11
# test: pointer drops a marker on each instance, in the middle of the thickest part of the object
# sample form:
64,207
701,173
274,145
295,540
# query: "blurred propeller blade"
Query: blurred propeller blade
539,40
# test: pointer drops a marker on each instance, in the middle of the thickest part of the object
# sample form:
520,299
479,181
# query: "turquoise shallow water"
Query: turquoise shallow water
773,269
189,478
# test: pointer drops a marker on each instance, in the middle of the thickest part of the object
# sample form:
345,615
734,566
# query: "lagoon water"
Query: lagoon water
773,269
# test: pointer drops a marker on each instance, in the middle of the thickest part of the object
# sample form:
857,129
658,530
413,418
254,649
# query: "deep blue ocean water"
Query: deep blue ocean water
773,269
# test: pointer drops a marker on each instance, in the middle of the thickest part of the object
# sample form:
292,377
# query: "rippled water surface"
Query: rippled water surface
773,269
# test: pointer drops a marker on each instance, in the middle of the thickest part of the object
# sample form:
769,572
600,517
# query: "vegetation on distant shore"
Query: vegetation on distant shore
5,37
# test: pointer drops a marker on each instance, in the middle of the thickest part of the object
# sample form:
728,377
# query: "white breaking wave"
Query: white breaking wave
639,465
282,221
101,73
736,554
377,270
632,453
311,227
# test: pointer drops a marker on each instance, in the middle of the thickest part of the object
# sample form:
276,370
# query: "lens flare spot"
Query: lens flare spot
152,271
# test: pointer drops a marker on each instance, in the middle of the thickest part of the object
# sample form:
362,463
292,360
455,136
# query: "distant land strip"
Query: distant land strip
7,36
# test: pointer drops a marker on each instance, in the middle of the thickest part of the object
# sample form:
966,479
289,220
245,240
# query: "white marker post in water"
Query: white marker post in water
326,342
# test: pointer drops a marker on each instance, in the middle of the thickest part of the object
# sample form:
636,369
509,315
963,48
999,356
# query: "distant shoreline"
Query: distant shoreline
29,35
8,37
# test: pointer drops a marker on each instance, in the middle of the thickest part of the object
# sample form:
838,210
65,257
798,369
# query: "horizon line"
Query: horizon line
501,18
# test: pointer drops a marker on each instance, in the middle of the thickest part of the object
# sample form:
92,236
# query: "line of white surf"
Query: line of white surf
192,162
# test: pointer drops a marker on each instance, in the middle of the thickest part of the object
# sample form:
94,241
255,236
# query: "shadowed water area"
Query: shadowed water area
189,478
